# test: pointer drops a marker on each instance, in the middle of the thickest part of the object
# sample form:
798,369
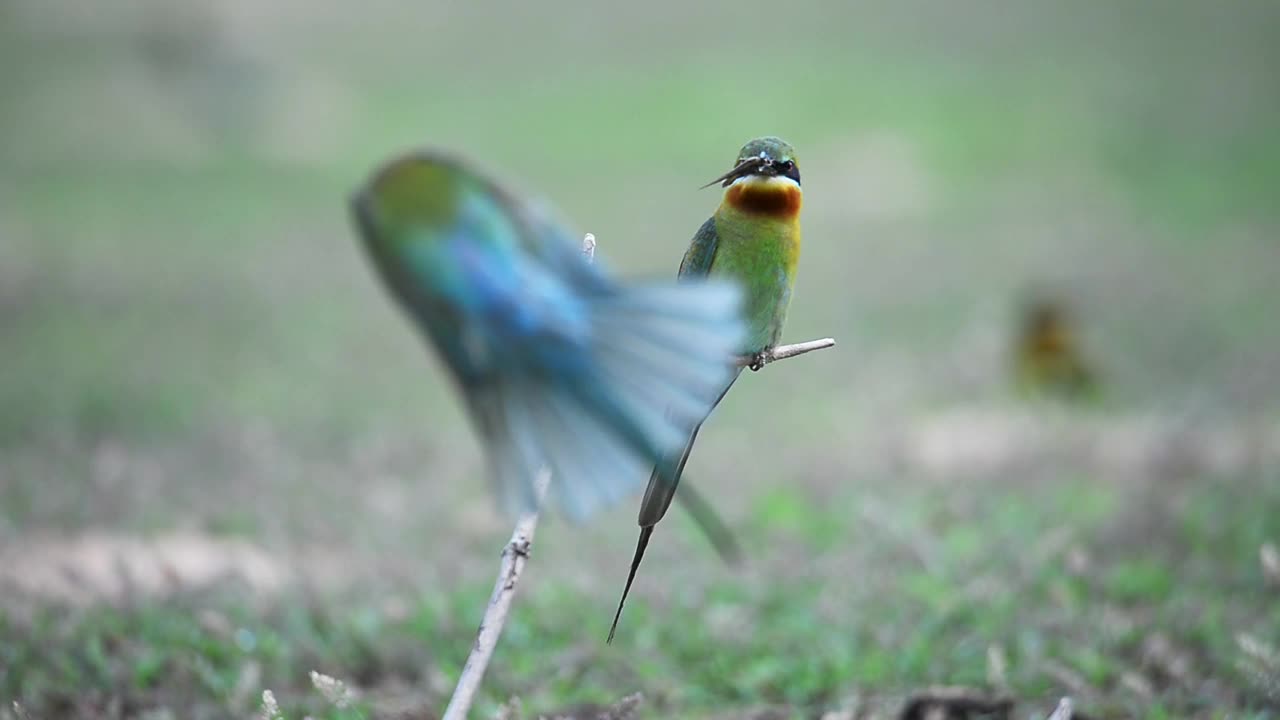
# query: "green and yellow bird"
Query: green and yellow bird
753,239
1047,359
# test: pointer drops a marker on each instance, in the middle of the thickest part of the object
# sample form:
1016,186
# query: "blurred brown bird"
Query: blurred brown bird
1047,359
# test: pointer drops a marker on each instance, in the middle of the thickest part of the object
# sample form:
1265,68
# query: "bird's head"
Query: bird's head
429,195
417,188
764,181
762,160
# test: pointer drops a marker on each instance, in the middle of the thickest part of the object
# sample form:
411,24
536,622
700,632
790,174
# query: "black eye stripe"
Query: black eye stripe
784,168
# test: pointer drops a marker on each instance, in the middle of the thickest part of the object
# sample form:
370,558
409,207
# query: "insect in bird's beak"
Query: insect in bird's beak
746,167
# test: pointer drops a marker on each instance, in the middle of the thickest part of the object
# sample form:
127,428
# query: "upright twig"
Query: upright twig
1064,711
516,552
514,556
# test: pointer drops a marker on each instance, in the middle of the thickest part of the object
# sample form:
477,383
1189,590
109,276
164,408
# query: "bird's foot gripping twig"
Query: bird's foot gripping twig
782,352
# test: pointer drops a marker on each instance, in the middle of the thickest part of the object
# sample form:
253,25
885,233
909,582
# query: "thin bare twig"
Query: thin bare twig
514,556
1064,711
782,352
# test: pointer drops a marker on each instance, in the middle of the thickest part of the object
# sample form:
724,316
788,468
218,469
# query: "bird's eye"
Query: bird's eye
787,168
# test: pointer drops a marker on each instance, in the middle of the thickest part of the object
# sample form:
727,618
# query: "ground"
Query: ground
226,462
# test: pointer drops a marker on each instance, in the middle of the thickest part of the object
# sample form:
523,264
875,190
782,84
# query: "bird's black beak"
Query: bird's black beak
750,166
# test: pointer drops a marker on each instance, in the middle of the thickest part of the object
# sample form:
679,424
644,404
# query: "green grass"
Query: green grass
811,640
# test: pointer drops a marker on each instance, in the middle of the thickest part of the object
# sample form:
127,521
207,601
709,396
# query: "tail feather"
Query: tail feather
654,349
626,373
697,330
705,517
522,453
665,478
588,459
663,483
643,543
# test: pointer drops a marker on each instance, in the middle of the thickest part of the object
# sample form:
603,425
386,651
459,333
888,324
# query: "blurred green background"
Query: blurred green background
193,354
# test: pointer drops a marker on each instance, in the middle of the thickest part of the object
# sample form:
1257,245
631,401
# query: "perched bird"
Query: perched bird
561,366
753,238
1046,354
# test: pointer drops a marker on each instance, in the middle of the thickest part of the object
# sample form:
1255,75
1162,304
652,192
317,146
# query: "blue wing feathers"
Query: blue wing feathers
562,367
654,375
594,381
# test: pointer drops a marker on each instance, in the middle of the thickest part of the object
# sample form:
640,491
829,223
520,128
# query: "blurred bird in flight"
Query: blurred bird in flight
754,239
561,366
1047,359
